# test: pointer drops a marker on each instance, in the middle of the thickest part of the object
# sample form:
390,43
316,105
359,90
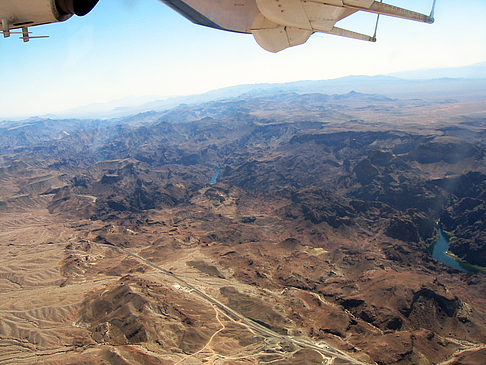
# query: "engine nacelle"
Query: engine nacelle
27,13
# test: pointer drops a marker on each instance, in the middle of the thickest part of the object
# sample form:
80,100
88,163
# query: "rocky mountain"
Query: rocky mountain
286,228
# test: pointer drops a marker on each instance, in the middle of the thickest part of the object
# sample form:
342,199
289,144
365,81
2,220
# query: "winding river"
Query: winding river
440,253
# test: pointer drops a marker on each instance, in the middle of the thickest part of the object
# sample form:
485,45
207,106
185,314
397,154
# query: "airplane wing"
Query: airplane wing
279,24
275,24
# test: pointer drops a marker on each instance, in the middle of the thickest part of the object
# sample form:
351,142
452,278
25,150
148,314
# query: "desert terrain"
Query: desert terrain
264,229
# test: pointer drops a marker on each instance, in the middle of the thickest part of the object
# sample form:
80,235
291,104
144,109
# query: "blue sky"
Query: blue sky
141,49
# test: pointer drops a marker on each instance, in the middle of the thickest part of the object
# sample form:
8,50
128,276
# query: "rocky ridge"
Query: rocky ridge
319,226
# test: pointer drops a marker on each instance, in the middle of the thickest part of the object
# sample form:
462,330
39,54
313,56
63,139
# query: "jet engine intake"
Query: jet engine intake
77,7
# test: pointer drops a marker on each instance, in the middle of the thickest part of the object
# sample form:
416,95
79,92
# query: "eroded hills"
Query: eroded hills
311,245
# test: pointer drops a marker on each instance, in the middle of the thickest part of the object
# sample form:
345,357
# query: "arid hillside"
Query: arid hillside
284,228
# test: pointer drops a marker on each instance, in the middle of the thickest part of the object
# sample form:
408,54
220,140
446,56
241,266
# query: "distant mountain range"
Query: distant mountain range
459,83
476,71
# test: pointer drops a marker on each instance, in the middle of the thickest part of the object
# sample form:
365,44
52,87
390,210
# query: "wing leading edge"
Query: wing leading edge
279,24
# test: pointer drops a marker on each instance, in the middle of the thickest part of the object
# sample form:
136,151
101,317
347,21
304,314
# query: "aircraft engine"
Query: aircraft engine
16,14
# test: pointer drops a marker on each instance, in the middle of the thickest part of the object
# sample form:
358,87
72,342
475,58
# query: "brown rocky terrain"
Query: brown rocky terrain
312,247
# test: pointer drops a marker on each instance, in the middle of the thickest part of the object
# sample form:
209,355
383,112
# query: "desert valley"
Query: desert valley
275,227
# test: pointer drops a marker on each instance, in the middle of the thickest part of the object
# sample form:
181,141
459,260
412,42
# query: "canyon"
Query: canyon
285,228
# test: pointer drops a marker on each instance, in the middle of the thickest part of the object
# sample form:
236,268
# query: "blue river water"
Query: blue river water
439,253
214,179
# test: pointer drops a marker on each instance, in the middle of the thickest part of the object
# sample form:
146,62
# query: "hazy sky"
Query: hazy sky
137,48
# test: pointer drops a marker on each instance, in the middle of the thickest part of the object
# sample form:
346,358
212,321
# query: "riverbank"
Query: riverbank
440,252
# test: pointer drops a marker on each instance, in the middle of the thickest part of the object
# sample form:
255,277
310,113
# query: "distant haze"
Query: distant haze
461,82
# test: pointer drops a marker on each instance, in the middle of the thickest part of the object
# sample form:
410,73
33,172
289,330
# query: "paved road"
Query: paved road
324,349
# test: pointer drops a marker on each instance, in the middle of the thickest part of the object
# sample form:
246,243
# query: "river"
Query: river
214,179
440,253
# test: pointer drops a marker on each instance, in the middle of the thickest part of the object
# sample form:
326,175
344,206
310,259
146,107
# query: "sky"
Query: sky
139,50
